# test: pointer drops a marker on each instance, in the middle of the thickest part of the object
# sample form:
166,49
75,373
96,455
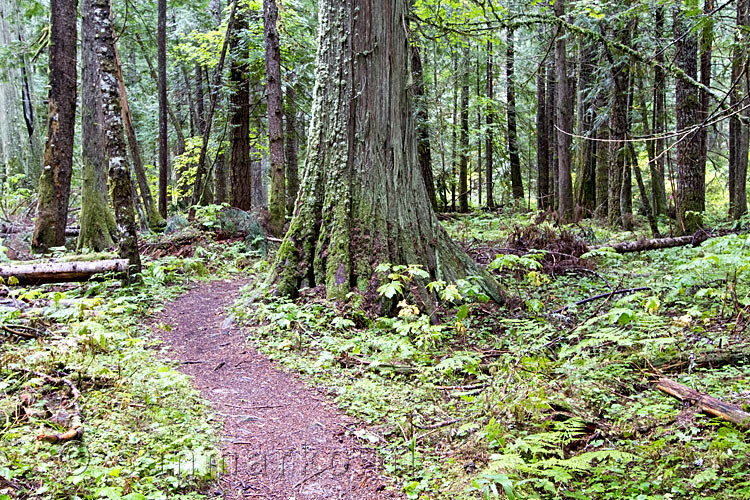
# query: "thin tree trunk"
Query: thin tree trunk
564,114
490,140
423,130
738,128
659,121
691,180
552,131
542,140
516,181
277,199
454,136
54,183
161,65
463,171
239,117
479,127
200,170
644,195
153,218
626,190
707,40
292,159
200,108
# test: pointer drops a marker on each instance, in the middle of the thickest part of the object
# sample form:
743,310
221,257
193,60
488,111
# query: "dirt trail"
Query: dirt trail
281,439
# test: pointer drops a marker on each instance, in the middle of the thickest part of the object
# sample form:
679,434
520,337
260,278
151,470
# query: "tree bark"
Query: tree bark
277,198
54,183
516,181
154,219
239,118
60,272
97,222
585,186
617,135
564,113
200,108
362,199
291,144
542,140
423,130
657,169
602,174
738,127
489,147
552,133
119,175
706,43
161,65
691,176
463,167
712,406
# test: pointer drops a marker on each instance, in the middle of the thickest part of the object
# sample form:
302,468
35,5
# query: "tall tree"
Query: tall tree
96,221
489,147
363,200
54,183
564,115
239,115
618,123
161,68
116,151
277,199
423,130
516,181
691,175
291,144
657,170
585,185
542,140
738,127
463,167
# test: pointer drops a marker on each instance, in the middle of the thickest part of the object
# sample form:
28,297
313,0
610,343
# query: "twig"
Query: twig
605,295
315,474
438,425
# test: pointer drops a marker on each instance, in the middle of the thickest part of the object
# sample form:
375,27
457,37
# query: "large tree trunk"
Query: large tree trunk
626,190
691,177
363,200
602,173
161,67
564,114
54,183
423,129
119,175
291,144
239,117
489,147
97,221
516,181
463,167
707,40
277,198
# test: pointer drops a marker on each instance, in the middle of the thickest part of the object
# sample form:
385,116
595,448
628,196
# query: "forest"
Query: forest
357,249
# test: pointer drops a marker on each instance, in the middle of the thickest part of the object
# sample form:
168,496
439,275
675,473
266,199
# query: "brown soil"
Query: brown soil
281,439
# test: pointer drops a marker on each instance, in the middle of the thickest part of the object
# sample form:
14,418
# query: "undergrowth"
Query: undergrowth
541,398
146,432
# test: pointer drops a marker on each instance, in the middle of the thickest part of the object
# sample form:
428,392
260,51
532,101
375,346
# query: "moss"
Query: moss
97,221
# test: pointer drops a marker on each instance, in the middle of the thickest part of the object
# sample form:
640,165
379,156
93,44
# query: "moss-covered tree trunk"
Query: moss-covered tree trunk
516,180
119,175
564,119
97,221
54,183
362,199
277,196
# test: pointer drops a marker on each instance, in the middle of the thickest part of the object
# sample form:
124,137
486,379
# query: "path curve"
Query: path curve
281,440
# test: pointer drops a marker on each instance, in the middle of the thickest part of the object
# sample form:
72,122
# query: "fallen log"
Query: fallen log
658,243
709,404
59,272
8,229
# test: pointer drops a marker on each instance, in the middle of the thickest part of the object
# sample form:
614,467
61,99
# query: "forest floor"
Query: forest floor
281,439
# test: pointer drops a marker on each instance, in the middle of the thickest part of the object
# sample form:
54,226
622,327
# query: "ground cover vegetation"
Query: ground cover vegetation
510,238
